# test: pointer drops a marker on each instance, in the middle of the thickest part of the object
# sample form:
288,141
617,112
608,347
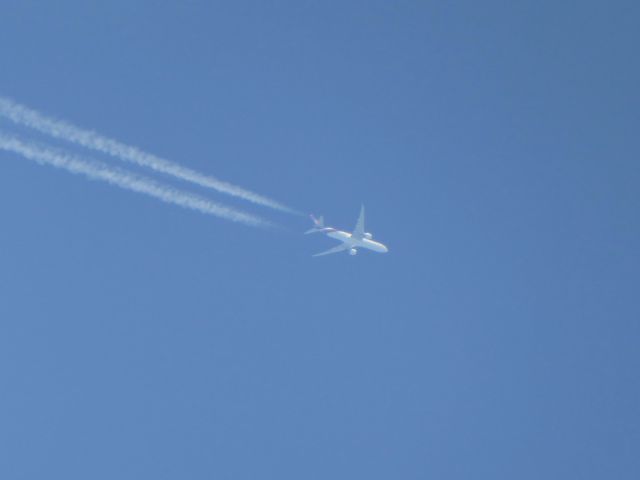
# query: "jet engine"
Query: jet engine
353,251
368,236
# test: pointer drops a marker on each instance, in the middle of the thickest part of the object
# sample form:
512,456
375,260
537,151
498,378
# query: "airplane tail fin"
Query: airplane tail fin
318,225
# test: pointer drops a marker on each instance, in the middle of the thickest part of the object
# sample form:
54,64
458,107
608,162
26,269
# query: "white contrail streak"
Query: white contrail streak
123,179
27,117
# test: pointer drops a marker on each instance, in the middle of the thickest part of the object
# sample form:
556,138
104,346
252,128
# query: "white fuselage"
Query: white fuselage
357,243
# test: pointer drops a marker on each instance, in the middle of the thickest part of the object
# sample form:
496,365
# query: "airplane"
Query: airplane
350,241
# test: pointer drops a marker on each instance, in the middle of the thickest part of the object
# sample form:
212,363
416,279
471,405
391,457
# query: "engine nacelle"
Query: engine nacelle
368,236
353,251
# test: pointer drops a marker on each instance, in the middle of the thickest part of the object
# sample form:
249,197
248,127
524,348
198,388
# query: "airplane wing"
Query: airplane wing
358,232
339,248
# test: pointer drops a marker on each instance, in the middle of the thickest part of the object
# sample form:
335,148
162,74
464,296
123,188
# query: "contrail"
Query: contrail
27,117
128,181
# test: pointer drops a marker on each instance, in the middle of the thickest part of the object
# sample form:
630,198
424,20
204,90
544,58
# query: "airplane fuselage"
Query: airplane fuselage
347,238
351,242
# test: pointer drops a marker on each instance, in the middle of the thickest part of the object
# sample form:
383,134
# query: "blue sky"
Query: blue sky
495,147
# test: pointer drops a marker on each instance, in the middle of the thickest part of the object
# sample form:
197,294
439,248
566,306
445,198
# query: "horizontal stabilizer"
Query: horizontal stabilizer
318,225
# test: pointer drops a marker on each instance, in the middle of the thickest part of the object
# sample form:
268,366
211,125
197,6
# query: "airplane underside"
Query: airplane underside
351,242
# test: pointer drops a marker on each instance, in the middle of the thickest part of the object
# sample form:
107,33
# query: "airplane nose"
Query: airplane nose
386,249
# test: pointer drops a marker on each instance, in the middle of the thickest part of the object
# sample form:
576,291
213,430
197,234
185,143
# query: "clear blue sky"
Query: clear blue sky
495,146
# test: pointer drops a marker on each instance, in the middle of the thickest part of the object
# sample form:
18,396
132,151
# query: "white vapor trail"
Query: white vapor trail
27,117
123,179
